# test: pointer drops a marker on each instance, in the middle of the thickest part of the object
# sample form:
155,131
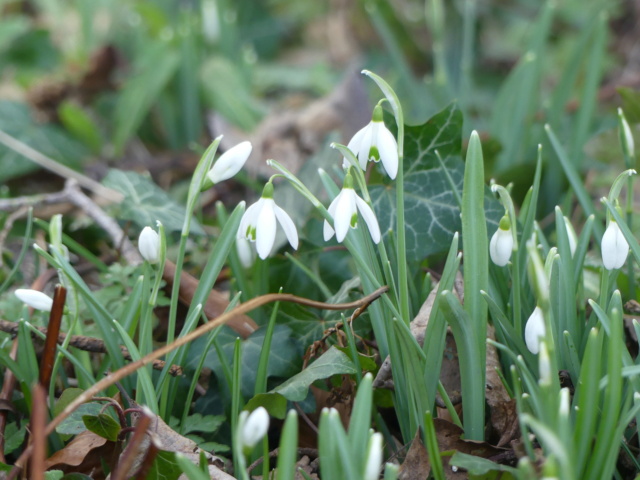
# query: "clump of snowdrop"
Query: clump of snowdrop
35,299
375,143
501,244
534,330
230,162
614,247
258,224
344,211
253,427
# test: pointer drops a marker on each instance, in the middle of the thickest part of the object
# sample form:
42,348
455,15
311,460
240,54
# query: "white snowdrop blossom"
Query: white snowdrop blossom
614,247
258,224
149,245
501,244
344,211
534,330
34,299
374,458
246,253
230,162
376,143
253,426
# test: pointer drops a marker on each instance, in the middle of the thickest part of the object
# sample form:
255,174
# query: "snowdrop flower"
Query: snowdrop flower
34,299
149,245
501,244
614,247
375,142
344,211
246,252
534,329
253,427
374,458
230,162
258,224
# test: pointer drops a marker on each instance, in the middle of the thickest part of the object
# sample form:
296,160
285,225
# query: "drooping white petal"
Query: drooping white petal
245,251
369,218
365,146
149,245
265,228
327,230
374,458
614,247
287,225
533,330
254,427
230,162
388,149
354,145
250,219
34,299
345,209
501,246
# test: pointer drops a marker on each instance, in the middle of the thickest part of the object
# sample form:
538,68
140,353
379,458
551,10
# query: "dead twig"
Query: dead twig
88,344
179,342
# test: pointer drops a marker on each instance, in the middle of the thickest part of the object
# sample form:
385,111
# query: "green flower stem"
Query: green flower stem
507,202
403,281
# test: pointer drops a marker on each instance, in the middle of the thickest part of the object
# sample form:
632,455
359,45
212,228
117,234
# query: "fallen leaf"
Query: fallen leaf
416,465
83,454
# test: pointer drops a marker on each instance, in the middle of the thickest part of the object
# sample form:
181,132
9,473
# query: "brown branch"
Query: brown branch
55,320
179,342
88,344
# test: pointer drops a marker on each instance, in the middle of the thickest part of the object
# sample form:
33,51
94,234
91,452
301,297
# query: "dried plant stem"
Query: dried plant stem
179,342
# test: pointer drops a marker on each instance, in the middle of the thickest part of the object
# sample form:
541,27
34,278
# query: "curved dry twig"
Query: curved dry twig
127,370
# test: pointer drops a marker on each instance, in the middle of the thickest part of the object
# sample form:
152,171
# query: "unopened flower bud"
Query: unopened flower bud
149,245
34,299
501,244
253,427
614,247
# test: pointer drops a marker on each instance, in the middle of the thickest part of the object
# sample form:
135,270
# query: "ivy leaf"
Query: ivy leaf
199,423
164,467
144,202
103,425
332,362
73,424
431,188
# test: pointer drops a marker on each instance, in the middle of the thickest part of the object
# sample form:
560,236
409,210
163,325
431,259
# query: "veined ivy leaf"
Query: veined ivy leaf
144,202
73,424
103,425
332,362
432,212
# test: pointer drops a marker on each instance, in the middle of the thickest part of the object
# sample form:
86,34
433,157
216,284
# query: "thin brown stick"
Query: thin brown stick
38,436
88,344
179,342
50,351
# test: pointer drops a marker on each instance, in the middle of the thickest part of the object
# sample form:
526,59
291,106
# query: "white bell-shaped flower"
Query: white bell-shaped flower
374,458
344,211
35,299
253,427
501,244
149,245
614,247
376,143
534,330
258,224
230,162
246,253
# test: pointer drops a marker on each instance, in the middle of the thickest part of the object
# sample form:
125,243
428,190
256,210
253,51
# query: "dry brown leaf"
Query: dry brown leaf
416,465
503,416
83,454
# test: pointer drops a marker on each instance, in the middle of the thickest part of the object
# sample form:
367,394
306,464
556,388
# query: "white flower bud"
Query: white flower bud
614,247
253,427
34,299
374,458
501,244
149,245
246,253
230,162
533,330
